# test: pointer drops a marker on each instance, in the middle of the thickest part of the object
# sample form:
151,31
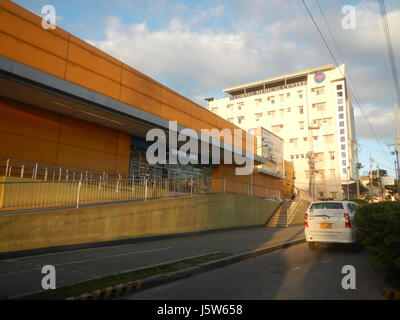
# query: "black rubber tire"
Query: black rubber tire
312,245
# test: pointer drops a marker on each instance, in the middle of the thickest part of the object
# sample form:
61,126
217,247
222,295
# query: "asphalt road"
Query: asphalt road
19,276
292,273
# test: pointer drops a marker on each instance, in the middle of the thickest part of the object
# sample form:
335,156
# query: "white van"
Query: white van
331,222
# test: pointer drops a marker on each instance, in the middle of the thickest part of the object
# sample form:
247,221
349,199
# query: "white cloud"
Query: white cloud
259,39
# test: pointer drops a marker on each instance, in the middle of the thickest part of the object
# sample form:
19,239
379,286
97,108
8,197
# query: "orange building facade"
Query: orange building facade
63,102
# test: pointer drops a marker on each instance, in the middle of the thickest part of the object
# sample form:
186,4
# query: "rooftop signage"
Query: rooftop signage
319,77
277,88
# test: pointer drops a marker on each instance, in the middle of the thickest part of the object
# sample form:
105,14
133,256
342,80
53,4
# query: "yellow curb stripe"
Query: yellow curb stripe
108,292
96,294
138,285
129,288
84,296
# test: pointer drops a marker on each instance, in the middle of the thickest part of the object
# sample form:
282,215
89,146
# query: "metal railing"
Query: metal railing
35,194
24,169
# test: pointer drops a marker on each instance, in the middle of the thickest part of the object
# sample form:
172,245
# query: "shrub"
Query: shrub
361,202
378,229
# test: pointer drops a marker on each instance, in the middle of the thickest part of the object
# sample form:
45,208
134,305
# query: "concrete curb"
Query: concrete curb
390,293
132,287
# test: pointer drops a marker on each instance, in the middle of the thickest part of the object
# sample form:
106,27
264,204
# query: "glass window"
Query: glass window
341,115
339,87
341,131
343,146
341,123
327,205
340,108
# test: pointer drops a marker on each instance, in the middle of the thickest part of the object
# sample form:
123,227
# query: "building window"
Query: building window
297,156
341,131
240,119
305,138
339,87
341,115
344,170
340,108
342,139
344,162
341,123
288,110
328,138
332,155
300,93
343,154
288,94
318,91
292,157
302,156
321,194
258,116
301,110
343,146
340,101
340,93
320,106
301,124
315,137
230,107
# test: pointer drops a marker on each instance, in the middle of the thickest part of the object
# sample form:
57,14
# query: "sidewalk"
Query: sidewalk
21,276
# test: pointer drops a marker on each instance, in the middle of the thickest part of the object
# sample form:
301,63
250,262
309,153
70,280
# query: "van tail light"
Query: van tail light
306,220
347,221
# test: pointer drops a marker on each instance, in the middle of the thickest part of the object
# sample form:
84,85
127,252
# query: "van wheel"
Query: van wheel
312,245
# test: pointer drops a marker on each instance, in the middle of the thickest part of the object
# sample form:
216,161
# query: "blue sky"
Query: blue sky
200,47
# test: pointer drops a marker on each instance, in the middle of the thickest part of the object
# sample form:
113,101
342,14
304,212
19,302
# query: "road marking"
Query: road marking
66,252
87,260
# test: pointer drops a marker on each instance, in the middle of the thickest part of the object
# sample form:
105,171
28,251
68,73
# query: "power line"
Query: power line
389,47
350,89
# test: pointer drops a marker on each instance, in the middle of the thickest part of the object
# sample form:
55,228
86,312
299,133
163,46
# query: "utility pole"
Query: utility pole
370,176
397,147
311,165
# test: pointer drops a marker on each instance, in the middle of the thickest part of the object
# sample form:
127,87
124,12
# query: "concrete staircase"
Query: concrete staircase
279,219
290,212
298,215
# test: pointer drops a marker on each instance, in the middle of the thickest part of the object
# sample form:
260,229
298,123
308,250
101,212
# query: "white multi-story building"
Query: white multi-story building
311,111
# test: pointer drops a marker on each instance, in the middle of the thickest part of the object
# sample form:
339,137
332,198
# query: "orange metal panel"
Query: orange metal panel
34,34
81,158
123,144
122,165
94,62
32,122
139,100
173,114
141,84
37,58
29,16
27,148
88,79
86,135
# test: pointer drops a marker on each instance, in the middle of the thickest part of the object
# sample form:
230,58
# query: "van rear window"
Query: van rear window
327,205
